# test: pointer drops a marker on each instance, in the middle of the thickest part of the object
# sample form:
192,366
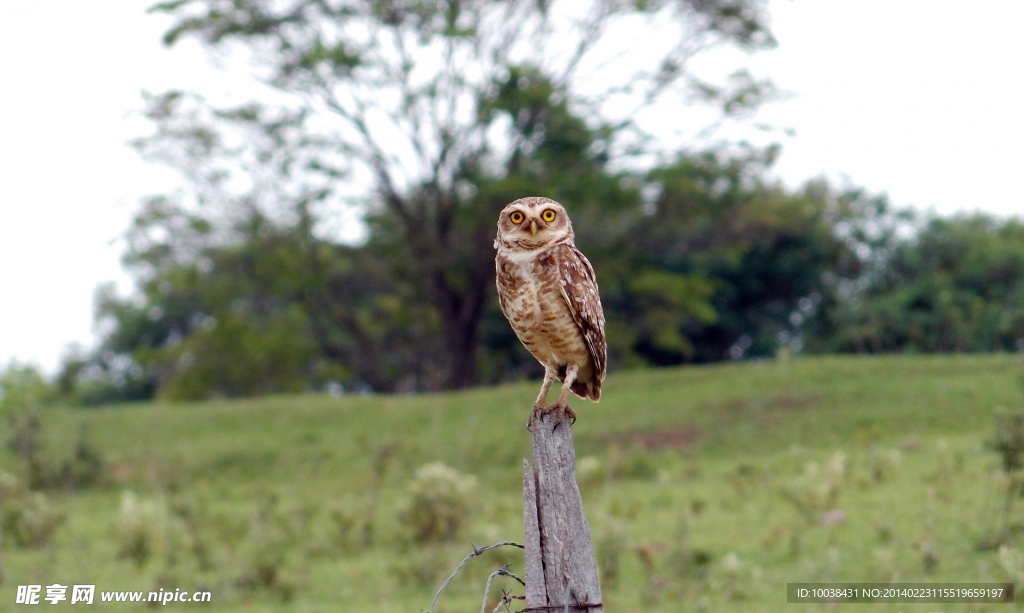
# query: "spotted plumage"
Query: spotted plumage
548,293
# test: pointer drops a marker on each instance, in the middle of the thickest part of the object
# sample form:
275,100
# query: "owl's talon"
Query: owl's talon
558,410
534,415
562,409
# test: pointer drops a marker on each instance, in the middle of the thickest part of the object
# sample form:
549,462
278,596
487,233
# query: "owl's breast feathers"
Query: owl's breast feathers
551,299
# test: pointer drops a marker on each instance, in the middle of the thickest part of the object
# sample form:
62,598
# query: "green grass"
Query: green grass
705,486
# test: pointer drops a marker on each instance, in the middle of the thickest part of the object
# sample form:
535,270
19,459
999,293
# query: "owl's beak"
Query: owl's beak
533,227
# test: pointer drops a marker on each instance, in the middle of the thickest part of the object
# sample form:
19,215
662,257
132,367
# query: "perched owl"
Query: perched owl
548,293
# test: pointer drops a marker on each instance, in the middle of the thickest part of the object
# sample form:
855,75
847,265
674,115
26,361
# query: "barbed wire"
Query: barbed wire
555,607
509,573
506,600
486,588
476,551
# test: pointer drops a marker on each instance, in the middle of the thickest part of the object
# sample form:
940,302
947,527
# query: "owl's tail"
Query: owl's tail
587,389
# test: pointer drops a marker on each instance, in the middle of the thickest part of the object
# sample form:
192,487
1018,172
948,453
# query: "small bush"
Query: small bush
635,464
140,530
86,468
346,526
818,489
610,546
426,568
28,519
1012,561
441,500
1009,439
10,487
273,547
590,473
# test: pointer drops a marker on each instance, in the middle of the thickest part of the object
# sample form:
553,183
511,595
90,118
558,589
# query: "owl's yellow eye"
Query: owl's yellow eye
548,215
516,217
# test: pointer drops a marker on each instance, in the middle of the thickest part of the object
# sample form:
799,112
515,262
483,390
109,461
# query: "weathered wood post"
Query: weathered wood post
561,568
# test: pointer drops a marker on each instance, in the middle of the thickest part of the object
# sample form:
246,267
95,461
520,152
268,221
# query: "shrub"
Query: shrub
590,473
818,489
87,466
423,569
346,524
610,546
141,529
440,502
26,518
273,547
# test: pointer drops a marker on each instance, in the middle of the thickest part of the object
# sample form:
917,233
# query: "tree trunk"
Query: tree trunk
461,344
461,312
560,564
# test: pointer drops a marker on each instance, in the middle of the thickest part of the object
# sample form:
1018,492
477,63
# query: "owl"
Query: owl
548,292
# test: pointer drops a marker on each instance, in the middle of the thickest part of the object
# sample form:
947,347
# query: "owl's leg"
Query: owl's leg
540,405
549,376
563,403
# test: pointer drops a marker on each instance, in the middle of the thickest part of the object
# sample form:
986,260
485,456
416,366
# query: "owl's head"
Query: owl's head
533,223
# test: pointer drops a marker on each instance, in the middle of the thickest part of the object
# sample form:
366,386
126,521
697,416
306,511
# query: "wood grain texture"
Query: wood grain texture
535,591
559,549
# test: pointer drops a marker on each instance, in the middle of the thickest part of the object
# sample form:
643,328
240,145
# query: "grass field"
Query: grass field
706,488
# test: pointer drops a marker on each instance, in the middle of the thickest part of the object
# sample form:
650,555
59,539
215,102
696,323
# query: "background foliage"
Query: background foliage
425,119
706,488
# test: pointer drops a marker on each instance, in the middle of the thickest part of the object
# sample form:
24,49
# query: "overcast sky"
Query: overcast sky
920,99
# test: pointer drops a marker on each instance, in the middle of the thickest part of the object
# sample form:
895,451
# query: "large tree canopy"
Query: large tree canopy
428,117
421,120
442,112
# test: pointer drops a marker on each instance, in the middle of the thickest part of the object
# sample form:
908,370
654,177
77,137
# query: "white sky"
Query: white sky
921,99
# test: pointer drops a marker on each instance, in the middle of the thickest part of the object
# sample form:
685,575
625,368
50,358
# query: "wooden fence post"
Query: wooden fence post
561,568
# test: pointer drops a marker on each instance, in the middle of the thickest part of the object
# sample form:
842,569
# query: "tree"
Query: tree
954,285
23,389
444,111
721,263
724,262
261,307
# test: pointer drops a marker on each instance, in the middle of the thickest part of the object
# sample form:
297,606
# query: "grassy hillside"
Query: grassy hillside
706,488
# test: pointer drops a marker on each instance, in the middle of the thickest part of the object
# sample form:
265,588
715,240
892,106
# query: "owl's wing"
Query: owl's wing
579,288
